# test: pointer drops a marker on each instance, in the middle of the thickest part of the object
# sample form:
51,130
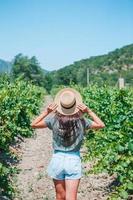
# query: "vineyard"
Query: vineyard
19,102
112,147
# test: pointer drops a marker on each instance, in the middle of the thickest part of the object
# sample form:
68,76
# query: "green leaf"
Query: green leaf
130,146
130,186
124,194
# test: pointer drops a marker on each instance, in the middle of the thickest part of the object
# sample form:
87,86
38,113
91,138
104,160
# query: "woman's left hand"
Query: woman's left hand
83,107
51,107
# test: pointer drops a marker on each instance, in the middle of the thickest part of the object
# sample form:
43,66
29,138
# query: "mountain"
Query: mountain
45,71
5,66
104,68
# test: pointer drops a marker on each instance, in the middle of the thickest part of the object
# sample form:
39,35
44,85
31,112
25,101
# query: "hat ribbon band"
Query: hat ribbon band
69,107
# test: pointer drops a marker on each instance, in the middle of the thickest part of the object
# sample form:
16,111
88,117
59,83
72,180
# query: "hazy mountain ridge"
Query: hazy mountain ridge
5,66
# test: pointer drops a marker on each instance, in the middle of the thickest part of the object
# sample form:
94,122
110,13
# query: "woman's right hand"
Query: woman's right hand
83,108
51,107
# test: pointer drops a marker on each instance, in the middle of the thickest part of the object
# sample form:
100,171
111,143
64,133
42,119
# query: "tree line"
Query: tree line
105,69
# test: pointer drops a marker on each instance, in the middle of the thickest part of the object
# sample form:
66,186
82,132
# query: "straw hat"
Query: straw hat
67,99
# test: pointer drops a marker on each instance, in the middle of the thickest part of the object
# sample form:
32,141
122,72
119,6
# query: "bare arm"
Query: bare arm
97,122
39,121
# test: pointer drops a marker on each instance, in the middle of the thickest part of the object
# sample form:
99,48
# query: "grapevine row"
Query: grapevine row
19,102
112,147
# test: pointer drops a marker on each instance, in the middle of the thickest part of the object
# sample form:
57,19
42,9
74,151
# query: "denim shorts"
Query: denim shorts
65,165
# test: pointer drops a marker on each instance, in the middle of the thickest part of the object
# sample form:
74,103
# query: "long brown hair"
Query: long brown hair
68,125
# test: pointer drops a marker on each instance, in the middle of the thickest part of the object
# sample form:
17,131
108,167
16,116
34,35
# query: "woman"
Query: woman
68,125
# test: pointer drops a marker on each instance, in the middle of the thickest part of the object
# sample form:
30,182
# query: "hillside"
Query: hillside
5,66
104,68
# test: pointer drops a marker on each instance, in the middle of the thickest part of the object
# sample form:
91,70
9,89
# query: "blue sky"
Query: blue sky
59,32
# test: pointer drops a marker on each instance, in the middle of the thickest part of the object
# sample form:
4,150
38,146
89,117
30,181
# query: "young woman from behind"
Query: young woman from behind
65,117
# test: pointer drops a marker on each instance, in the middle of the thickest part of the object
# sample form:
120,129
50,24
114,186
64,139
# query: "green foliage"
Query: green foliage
55,89
48,81
112,147
105,69
28,69
19,101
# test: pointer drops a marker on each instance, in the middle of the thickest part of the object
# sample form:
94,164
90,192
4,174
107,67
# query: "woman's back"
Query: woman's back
68,132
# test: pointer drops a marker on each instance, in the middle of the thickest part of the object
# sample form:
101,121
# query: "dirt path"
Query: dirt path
33,182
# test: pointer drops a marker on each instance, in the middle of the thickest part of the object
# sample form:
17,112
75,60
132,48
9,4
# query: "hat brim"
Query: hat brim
73,109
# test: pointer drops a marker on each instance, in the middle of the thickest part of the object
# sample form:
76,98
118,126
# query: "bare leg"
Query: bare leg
60,189
72,189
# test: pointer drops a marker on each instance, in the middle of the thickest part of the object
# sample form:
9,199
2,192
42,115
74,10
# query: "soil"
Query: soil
33,182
